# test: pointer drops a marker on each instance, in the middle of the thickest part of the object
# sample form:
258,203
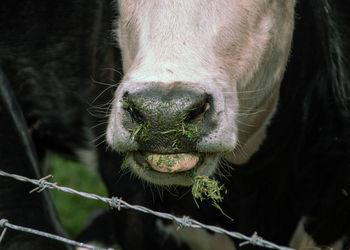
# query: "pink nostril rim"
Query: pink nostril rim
198,114
206,107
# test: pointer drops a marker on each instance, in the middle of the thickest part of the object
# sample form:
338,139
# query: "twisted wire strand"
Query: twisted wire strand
118,203
5,225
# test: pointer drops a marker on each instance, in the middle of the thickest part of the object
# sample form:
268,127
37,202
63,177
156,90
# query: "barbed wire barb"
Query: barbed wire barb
255,238
118,203
2,225
41,184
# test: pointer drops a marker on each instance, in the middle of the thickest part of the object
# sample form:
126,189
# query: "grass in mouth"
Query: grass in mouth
206,188
203,187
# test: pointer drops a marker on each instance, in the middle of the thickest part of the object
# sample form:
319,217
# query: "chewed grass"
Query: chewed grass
205,188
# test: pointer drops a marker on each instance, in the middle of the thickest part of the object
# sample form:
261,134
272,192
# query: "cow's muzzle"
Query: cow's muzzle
166,120
162,128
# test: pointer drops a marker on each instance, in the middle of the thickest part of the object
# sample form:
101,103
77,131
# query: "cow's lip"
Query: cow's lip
169,163
136,162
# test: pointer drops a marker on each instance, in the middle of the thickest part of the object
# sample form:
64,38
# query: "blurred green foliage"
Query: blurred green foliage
74,210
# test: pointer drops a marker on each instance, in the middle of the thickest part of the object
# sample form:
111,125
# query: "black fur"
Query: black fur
50,51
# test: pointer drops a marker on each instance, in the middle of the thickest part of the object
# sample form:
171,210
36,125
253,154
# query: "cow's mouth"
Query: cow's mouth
171,169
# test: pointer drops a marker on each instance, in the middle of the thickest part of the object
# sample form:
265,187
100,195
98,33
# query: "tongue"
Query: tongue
171,163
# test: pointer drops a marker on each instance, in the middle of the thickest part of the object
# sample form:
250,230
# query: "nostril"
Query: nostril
133,108
197,113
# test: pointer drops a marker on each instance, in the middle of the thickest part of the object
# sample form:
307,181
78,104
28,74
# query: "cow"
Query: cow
259,85
252,93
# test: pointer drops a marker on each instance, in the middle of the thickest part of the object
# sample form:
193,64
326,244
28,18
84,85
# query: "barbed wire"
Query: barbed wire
5,224
118,203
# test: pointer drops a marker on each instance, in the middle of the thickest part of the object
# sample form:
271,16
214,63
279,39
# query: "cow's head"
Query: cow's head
201,82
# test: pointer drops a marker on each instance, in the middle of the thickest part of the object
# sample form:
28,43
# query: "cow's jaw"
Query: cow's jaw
235,52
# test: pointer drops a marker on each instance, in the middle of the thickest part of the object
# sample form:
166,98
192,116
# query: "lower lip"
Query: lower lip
155,177
169,163
141,163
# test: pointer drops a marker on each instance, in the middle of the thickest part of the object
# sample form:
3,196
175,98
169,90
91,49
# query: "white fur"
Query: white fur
197,238
234,50
302,240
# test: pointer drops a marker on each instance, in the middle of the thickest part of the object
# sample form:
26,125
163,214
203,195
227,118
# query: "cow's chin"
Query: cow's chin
150,167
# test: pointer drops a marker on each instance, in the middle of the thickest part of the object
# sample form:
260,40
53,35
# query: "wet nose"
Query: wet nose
165,119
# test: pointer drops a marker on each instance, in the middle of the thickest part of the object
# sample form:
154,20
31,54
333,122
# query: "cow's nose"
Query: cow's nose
166,119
